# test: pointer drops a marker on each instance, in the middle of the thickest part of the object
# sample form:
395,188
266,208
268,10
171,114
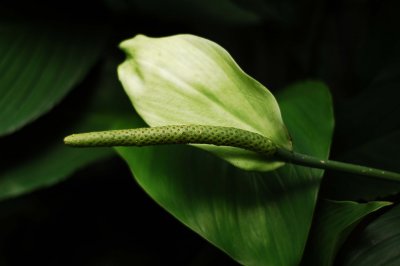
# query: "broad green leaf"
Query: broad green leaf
39,64
334,221
35,157
185,79
301,123
258,218
377,244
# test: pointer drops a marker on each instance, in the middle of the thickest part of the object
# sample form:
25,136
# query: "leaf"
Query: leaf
35,157
185,79
370,138
303,97
39,63
47,164
334,221
377,244
258,218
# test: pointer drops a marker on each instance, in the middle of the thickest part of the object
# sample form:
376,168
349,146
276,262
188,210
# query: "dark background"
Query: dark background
102,217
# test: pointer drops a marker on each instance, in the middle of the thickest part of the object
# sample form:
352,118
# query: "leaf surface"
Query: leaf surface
258,218
36,157
334,221
378,243
39,63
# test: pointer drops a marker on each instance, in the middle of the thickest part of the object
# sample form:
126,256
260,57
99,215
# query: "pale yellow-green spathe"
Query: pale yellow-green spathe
186,79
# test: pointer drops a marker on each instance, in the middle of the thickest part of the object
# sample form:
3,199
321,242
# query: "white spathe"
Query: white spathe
186,79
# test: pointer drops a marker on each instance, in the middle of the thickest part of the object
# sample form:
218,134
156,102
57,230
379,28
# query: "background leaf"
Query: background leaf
271,212
377,244
39,63
52,161
44,160
367,108
372,141
333,222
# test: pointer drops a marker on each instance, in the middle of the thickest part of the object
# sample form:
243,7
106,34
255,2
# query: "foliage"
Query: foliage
58,76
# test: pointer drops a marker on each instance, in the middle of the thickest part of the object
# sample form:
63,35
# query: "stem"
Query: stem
215,135
307,160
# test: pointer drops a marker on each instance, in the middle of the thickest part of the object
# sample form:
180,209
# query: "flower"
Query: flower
186,79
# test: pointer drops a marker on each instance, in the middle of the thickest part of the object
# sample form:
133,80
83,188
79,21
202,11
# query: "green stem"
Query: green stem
307,160
215,135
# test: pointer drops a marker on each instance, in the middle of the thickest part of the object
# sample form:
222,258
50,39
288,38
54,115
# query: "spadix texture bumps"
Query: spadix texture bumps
185,79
